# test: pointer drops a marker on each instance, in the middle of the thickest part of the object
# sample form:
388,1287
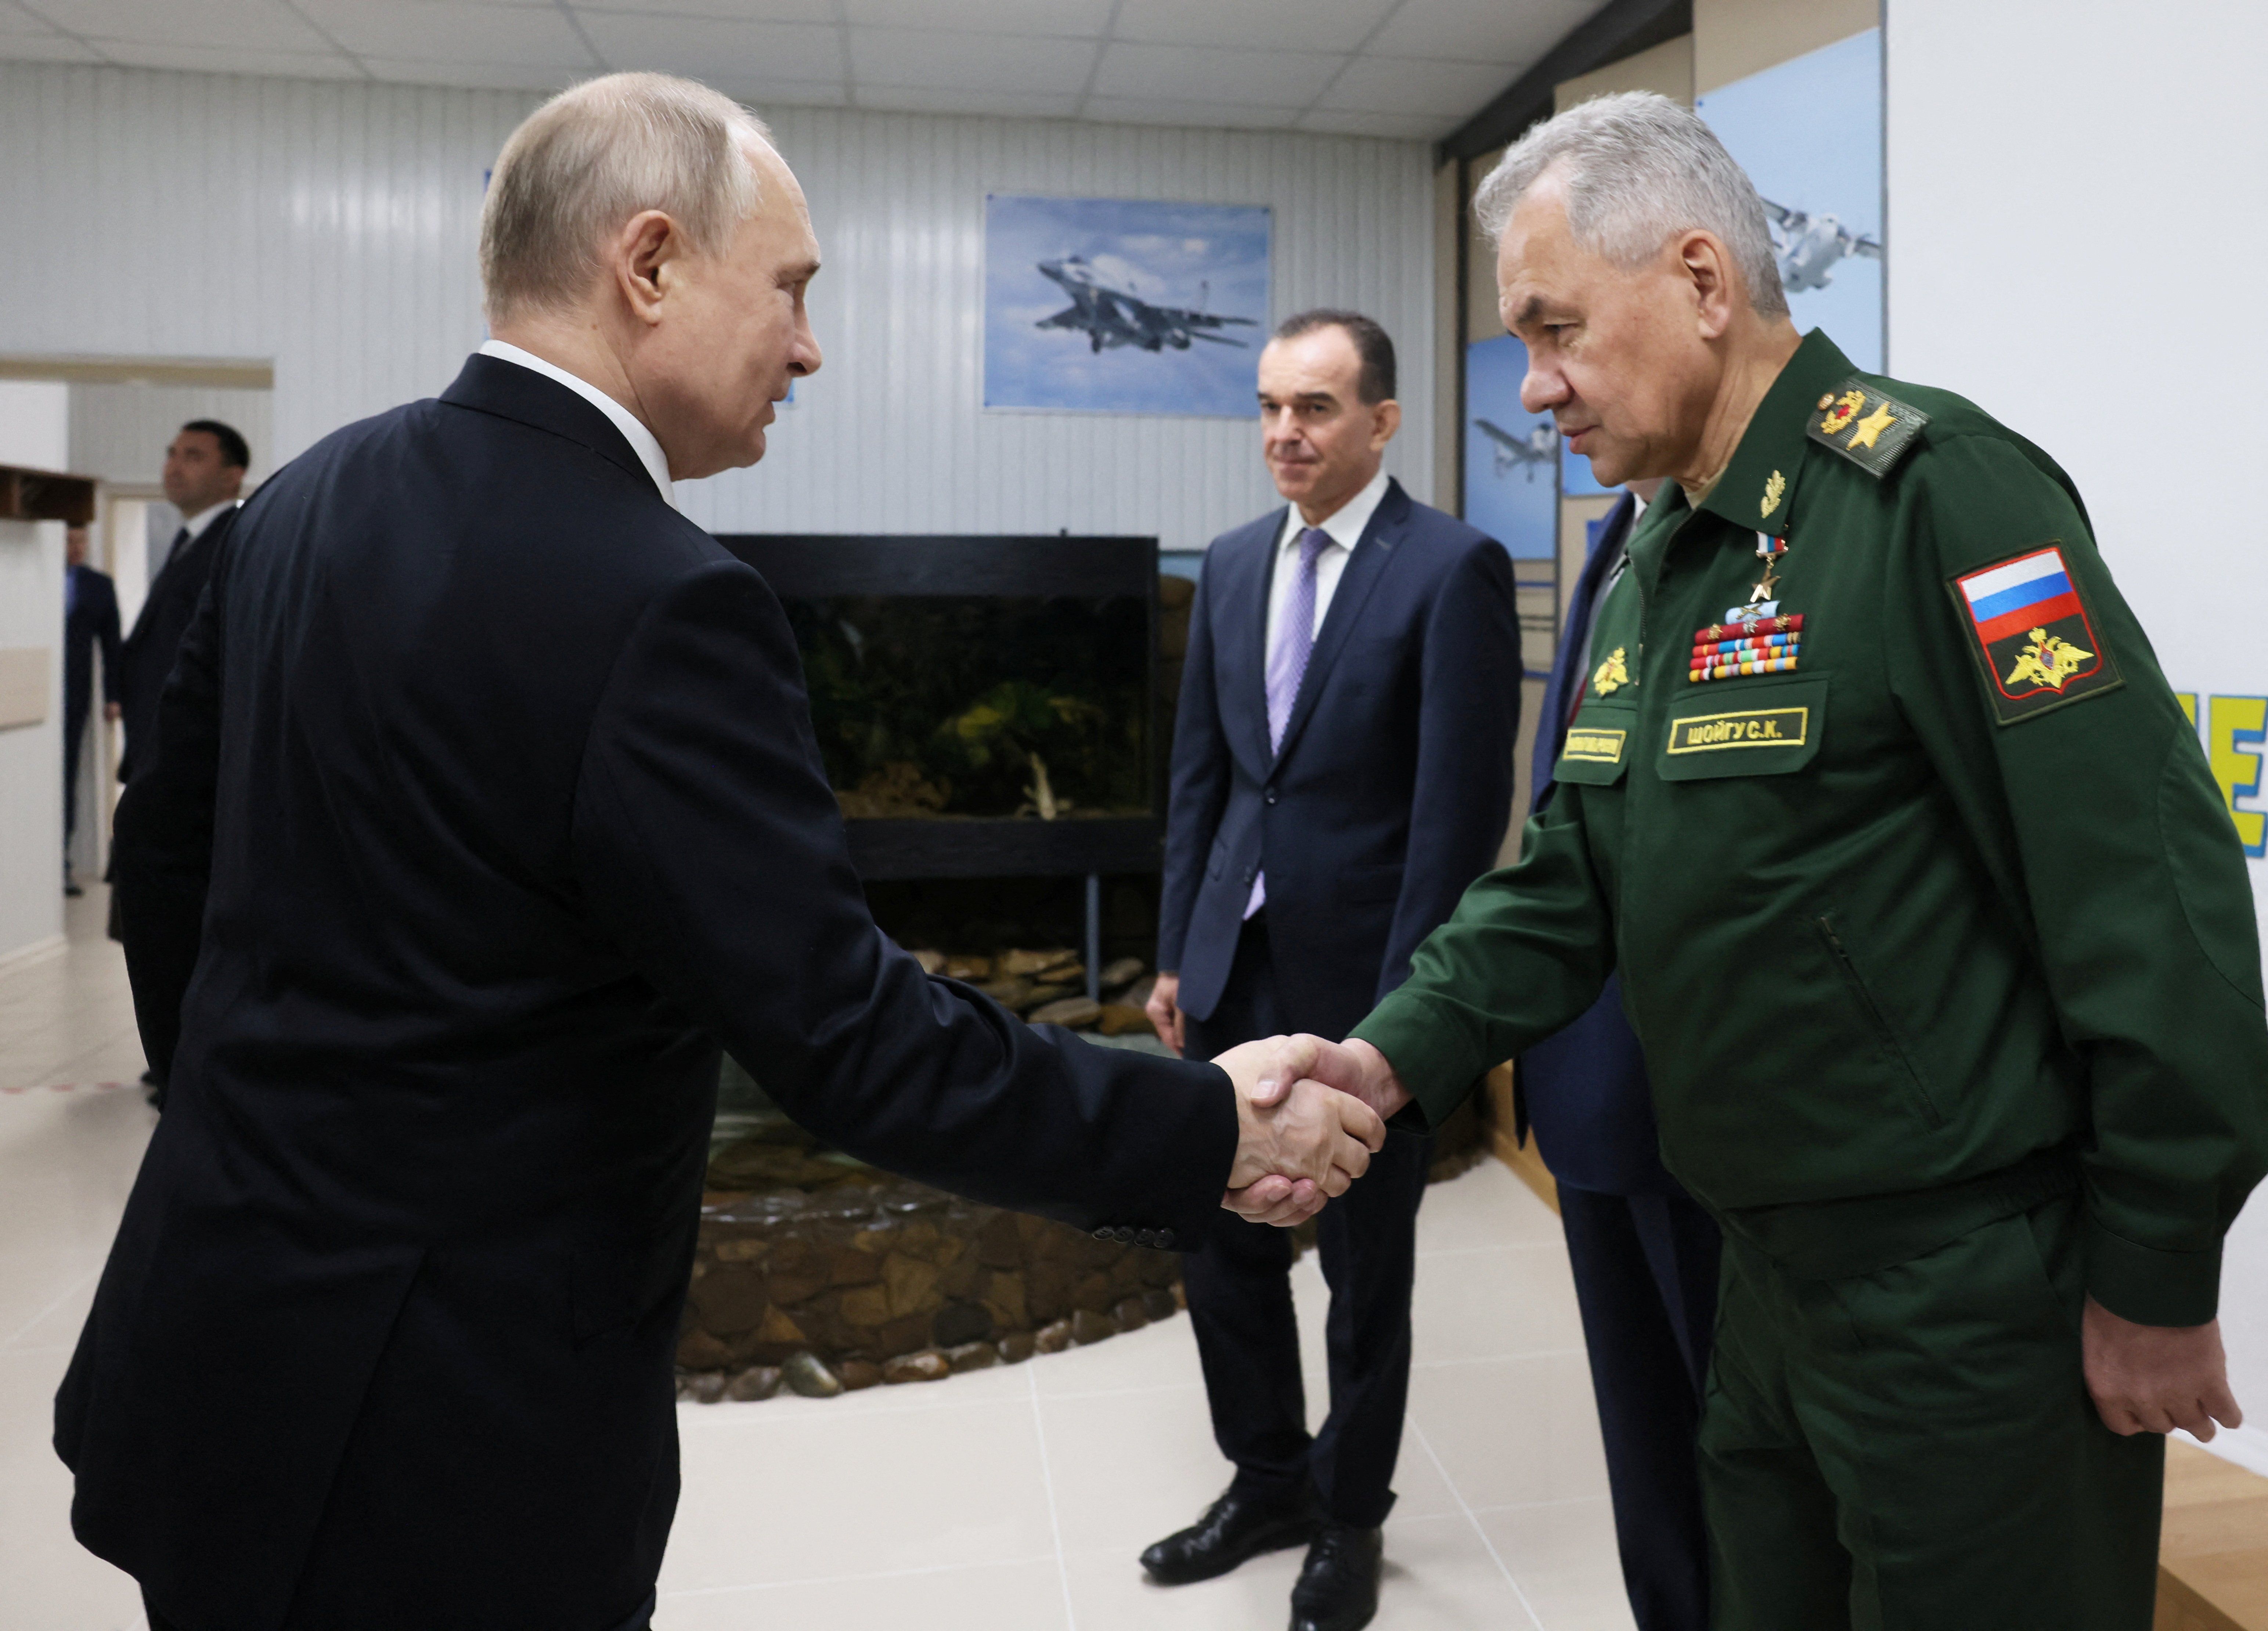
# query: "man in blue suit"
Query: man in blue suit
1341,770
1644,1254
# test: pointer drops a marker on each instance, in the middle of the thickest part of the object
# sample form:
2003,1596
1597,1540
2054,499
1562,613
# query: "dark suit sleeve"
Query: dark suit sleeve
1199,786
162,859
707,838
1468,732
106,631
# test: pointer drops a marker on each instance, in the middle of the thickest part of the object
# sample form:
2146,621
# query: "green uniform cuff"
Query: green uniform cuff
1434,1057
2147,1286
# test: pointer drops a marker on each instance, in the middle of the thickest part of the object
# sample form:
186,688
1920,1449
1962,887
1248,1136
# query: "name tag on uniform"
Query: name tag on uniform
1595,747
1751,727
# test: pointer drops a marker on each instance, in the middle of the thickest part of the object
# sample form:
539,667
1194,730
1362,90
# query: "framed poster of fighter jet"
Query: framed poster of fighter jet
1810,133
1117,305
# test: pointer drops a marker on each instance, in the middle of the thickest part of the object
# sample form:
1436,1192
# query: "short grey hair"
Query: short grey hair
593,156
1640,169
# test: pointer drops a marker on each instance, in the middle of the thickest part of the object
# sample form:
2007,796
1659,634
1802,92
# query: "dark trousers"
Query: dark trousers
641,1620
74,735
1645,1279
1240,1292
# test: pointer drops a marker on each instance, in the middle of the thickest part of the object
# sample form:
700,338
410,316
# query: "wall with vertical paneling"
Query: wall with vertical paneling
330,227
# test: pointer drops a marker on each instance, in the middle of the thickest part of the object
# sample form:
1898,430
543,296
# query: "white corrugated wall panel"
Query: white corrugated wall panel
331,228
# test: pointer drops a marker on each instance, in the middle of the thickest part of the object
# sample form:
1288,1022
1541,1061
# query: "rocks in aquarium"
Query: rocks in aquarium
1052,1337
1087,1326
703,1350
1030,963
970,968
1123,1020
931,962
1041,995
860,1373
756,1382
1160,1304
1078,1012
1132,1313
806,1373
1018,1346
1124,972
701,1388
1010,991
972,1356
928,1365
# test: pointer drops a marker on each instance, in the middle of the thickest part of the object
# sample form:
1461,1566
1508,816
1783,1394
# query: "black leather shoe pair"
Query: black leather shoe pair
1234,1529
1338,1586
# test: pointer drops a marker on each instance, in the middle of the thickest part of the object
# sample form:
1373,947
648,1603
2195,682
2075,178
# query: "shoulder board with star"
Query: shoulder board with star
1873,430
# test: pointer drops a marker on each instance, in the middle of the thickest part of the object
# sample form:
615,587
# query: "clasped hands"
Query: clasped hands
1309,1115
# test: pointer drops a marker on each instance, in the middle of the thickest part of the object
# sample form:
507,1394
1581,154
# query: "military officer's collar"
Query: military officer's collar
1757,489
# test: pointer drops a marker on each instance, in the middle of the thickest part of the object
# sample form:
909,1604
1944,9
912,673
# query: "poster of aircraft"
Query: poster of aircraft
1123,306
1512,456
1810,133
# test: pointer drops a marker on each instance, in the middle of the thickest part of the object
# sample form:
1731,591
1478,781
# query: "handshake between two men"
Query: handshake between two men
1310,1113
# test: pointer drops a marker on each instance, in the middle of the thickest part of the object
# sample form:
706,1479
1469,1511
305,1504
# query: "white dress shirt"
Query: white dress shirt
641,441
1344,527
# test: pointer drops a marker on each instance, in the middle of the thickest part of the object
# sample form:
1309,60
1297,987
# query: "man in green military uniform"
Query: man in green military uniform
1927,912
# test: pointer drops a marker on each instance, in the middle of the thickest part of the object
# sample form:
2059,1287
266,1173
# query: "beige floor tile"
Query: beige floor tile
1487,1206
774,1495
1582,1600
1025,1596
46,1578
1495,1302
1556,1537
1511,1432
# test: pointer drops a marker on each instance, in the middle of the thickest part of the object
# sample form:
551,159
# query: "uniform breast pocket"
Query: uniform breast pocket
1768,727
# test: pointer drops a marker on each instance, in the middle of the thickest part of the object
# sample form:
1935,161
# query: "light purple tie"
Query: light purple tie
1287,664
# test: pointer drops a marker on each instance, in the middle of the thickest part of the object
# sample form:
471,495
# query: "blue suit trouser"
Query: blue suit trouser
1645,1280
1239,1285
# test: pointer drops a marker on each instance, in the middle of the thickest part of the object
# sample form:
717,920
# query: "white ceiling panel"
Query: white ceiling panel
1008,64
208,59
1000,104
1191,73
439,30
1307,26
1407,84
1403,70
264,24
709,48
1481,31
1393,127
737,10
1140,110
471,76
1077,19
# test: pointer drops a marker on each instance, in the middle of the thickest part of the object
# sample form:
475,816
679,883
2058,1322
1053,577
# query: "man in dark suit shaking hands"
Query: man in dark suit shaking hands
486,804
1341,770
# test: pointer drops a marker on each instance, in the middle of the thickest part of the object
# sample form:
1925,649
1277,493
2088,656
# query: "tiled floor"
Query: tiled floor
1013,1499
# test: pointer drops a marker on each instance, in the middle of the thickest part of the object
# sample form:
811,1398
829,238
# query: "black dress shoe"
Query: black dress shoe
1234,1529
1338,1585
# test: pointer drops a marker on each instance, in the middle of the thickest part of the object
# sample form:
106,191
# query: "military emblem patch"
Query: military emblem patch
2034,634
1872,430
1613,674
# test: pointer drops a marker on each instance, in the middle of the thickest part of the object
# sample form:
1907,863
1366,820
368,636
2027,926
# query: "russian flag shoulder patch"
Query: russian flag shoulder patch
2032,630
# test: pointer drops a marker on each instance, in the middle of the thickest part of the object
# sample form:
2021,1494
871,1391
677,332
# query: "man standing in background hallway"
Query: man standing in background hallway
1341,770
1644,1254
204,480
89,619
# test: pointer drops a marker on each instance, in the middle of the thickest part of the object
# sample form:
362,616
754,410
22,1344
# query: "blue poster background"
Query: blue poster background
1190,257
1511,460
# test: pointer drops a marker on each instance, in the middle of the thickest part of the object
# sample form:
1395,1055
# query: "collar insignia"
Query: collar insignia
1773,489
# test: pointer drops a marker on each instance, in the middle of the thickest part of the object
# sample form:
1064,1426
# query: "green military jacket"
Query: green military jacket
1923,874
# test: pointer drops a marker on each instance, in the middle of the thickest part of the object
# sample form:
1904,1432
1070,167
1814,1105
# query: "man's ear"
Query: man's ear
643,258
1385,420
1709,270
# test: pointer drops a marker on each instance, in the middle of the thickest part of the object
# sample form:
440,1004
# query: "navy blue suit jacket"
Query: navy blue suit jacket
485,803
1584,1092
91,621
1393,783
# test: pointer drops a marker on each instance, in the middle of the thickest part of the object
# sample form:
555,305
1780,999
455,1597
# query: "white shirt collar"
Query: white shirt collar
643,441
195,526
1345,524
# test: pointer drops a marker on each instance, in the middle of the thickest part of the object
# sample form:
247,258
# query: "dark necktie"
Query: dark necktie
172,549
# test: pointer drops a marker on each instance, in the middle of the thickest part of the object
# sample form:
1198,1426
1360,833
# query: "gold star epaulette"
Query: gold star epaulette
1872,430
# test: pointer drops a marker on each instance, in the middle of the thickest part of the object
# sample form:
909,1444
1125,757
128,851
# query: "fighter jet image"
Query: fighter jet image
1535,452
1810,245
1111,317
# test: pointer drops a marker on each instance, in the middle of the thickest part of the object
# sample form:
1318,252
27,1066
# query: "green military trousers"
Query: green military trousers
1902,1440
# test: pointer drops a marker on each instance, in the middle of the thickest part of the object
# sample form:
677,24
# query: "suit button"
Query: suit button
1271,795
1106,1233
1165,1239
1125,1236
1148,1238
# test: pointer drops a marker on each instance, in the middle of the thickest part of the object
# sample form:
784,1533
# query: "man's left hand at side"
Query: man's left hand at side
2154,1378
1300,1141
